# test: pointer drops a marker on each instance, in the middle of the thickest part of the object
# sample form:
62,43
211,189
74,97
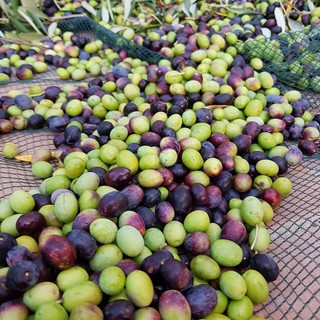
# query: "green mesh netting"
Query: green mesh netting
88,26
294,57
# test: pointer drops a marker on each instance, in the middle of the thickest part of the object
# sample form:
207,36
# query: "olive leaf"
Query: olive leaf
4,7
280,19
25,38
37,21
88,7
28,19
266,32
311,5
127,9
294,25
14,5
185,5
110,10
105,14
30,6
51,29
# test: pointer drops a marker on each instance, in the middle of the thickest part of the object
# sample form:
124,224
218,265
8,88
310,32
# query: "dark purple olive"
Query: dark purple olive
256,156
100,172
176,275
168,132
150,139
196,242
30,223
23,101
57,123
308,147
7,242
118,309
128,265
179,171
84,243
297,108
158,126
72,134
52,93
118,177
218,217
129,107
113,204
153,263
17,254
218,138
288,119
40,200
22,275
164,211
104,128
282,164
295,132
202,300
234,230
181,200
158,106
264,264
224,99
134,194
151,197
204,115
246,256
149,217
83,220
243,142
224,181
36,121
199,194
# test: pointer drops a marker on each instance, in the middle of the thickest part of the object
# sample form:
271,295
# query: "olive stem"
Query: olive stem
255,237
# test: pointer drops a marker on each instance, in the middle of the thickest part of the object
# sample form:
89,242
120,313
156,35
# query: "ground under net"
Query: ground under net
295,228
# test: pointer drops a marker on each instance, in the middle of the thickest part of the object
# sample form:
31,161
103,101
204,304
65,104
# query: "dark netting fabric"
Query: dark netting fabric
294,57
85,25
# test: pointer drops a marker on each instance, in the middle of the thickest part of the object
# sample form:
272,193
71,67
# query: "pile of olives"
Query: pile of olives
156,201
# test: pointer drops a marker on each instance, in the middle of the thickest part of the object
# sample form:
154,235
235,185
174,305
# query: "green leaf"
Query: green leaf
28,37
37,21
19,26
28,19
4,7
15,5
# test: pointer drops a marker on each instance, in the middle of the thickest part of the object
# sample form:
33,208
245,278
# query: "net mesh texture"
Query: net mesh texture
85,25
293,57
294,231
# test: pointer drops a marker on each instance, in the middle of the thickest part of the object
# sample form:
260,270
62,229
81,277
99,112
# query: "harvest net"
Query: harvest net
293,56
87,26
294,230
